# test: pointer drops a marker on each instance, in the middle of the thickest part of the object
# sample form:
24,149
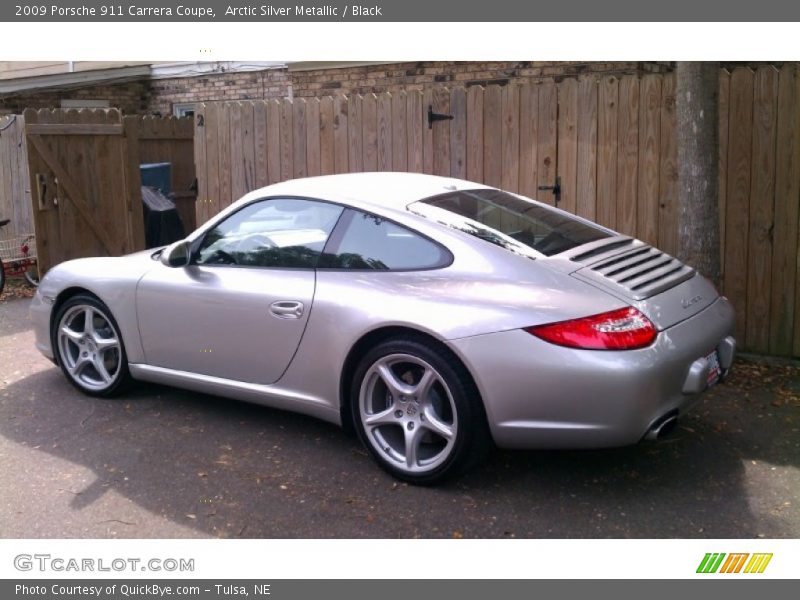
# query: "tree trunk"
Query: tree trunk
698,148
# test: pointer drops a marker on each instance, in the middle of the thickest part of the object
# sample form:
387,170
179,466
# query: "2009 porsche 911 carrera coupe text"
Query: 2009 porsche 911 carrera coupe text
434,316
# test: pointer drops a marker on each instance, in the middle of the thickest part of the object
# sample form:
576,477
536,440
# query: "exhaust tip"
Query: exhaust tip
662,428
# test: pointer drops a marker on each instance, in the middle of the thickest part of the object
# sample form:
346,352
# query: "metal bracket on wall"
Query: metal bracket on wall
555,188
432,116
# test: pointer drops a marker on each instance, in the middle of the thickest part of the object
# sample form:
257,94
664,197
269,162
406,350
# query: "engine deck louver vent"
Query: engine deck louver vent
633,267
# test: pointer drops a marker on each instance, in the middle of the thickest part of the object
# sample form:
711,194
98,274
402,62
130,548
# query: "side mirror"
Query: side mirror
176,254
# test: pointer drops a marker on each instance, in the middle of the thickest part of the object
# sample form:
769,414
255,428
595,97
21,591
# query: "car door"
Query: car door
239,309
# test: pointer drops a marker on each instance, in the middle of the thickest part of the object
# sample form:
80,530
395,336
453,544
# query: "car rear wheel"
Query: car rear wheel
89,346
417,411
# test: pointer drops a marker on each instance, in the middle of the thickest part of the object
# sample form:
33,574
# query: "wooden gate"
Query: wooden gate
85,182
610,142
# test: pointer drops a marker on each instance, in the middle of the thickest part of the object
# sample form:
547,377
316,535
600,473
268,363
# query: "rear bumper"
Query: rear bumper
539,395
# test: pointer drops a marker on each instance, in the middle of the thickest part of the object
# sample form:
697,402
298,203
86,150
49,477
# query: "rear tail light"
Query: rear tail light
623,329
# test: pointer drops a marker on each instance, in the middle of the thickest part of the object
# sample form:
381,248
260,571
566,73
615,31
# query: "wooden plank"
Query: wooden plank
75,155
24,224
68,217
131,159
225,155
340,135
212,202
762,209
355,141
42,219
248,146
475,133
607,147
546,152
313,139
6,177
415,131
384,123
261,165
567,164
723,110
458,133
160,135
427,133
75,129
287,140
274,137
441,133
668,170
586,187
737,212
327,165
299,165
492,136
628,154
528,135
783,308
649,150
238,188
399,131
509,138
794,175
369,132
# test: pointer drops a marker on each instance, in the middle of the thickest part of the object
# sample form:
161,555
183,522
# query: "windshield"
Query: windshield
505,220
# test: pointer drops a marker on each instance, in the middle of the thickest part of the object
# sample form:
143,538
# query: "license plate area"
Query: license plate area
714,370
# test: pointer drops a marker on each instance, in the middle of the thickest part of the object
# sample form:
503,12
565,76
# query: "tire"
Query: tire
32,275
2,277
408,394
91,355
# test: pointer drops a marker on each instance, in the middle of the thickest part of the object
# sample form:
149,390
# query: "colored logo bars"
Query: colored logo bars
713,563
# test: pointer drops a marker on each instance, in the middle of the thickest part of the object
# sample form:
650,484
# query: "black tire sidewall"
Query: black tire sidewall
464,396
123,377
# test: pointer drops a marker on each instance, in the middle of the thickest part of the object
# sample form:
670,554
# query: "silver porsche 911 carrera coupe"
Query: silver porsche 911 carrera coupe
433,316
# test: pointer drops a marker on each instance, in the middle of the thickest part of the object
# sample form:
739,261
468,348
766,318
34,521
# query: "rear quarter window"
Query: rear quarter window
362,241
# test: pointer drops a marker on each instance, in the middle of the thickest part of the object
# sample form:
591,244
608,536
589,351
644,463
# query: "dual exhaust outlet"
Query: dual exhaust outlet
662,427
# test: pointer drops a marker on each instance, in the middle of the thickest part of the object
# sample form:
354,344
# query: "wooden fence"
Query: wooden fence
611,142
85,180
14,200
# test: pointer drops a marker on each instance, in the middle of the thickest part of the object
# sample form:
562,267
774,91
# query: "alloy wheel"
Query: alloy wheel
408,413
89,347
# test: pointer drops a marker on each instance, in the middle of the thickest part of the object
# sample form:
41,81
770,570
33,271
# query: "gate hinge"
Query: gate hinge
432,116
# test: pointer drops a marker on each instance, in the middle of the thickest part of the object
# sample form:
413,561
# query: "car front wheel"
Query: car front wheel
89,346
417,411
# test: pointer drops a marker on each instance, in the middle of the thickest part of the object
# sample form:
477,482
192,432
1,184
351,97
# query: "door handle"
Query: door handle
287,309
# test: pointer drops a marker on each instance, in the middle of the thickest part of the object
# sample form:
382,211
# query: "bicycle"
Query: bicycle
18,257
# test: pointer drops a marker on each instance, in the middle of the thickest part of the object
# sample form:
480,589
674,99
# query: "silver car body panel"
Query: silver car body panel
211,328
224,320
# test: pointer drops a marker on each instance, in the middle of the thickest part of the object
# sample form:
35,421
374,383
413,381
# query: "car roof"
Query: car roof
384,189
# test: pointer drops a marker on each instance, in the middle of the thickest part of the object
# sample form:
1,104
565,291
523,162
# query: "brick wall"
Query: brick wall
159,95
272,83
424,75
130,97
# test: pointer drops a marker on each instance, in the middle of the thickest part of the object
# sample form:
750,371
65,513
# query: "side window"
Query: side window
271,233
364,241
